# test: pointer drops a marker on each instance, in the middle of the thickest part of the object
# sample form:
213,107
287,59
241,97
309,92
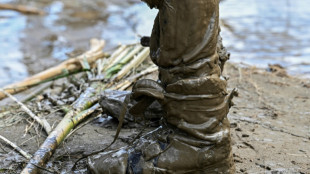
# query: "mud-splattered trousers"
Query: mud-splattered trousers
195,135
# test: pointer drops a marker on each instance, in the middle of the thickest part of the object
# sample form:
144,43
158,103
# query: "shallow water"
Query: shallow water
256,32
268,32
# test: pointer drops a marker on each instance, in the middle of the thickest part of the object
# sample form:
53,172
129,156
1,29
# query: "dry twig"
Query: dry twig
46,126
21,151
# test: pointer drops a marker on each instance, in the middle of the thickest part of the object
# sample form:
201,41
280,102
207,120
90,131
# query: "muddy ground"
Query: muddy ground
270,125
270,121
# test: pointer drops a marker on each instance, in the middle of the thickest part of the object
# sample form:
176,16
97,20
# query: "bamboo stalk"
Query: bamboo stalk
115,55
46,126
22,9
18,149
133,64
69,66
116,58
117,66
81,109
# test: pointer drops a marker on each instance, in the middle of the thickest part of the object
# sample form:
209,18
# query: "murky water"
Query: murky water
256,32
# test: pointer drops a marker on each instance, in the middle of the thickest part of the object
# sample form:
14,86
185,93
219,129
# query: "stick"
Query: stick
22,9
25,154
67,67
46,126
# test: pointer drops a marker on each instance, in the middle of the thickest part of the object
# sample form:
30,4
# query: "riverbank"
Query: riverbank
269,126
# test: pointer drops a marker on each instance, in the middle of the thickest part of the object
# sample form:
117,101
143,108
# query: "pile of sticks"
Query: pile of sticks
104,71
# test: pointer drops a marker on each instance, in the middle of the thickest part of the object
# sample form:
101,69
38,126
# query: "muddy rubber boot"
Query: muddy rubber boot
189,147
194,135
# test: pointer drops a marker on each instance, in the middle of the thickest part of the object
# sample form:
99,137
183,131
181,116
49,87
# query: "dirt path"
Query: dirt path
270,127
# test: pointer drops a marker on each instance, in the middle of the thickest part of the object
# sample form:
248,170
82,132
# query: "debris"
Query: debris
85,105
72,118
128,82
82,125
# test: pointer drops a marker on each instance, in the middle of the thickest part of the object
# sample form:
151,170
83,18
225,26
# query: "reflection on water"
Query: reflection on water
266,32
11,66
256,32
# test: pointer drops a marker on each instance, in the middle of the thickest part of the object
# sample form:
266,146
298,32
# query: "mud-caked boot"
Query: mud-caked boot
194,135
194,138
